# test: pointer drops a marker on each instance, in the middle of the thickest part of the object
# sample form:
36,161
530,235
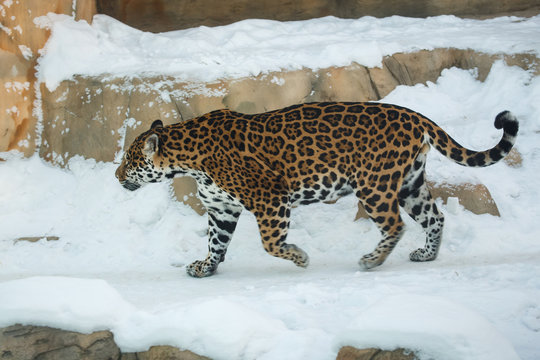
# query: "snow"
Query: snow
442,322
119,261
251,47
90,301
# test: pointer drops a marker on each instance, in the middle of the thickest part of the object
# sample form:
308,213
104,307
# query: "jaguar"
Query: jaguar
267,163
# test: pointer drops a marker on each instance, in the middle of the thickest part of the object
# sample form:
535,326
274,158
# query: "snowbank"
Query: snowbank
251,47
434,327
223,329
84,305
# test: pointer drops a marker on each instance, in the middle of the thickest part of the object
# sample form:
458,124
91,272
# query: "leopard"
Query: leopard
270,162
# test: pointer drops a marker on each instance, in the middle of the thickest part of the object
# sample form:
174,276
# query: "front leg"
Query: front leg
274,226
222,221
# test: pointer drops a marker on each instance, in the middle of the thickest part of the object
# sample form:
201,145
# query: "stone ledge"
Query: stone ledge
87,116
27,342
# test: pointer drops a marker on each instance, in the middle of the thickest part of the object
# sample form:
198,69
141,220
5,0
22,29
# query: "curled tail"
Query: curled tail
447,146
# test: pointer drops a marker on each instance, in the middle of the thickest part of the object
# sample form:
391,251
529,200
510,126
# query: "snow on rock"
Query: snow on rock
251,47
218,328
431,326
83,305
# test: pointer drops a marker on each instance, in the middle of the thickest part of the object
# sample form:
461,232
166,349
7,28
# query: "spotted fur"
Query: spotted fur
269,162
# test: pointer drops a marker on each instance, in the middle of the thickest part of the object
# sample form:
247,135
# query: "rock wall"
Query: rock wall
16,93
20,41
98,116
165,15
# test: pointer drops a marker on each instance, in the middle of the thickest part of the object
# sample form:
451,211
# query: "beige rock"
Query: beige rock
165,353
351,353
474,197
199,100
348,83
148,102
20,342
382,79
20,40
185,190
16,93
267,92
469,59
37,238
420,66
524,61
78,125
22,13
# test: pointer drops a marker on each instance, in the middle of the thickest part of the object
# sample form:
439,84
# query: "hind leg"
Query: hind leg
416,200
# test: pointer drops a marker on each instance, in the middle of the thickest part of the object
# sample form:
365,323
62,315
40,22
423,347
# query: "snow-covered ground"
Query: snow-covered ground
119,261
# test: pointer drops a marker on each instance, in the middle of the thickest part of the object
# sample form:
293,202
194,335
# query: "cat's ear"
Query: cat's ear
151,145
156,123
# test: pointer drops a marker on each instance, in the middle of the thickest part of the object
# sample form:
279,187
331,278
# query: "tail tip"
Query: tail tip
503,118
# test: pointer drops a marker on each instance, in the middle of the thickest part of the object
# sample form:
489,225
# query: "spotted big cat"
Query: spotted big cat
269,162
